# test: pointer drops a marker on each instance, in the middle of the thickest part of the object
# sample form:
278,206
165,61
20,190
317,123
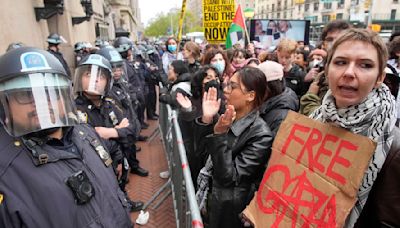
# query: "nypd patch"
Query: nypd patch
32,61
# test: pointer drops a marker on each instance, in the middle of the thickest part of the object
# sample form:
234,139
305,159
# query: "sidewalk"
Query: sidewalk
152,157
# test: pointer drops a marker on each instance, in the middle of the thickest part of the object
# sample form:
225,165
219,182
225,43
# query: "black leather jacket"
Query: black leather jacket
239,160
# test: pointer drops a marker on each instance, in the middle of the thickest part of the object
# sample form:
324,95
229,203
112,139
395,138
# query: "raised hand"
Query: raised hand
211,105
225,120
183,101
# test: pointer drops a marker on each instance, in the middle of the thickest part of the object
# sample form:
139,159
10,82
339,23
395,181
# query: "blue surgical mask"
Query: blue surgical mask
172,48
220,66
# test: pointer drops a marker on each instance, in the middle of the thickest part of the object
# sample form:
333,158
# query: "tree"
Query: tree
160,25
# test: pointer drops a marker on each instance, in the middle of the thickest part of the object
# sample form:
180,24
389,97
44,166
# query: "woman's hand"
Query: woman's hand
183,101
314,88
210,105
225,120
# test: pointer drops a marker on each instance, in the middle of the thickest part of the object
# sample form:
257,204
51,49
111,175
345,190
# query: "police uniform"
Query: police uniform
60,58
33,183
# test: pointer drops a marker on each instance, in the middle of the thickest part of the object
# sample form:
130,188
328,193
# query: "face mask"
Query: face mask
172,48
220,66
213,83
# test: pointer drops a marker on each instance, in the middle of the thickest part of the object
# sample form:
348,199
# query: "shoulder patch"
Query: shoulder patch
82,116
1,198
109,99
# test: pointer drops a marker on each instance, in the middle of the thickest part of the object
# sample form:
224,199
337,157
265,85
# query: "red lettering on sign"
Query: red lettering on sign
323,150
292,136
313,139
344,144
281,203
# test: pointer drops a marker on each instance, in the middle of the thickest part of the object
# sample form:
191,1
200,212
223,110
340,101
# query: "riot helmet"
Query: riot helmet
35,92
54,39
93,76
116,61
123,45
79,46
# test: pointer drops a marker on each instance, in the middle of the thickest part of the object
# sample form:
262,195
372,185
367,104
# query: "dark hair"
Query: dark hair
254,80
304,53
394,47
275,88
197,80
236,52
211,54
333,26
394,35
180,67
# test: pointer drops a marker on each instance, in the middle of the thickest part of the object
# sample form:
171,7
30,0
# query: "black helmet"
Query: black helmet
111,54
54,38
123,44
79,46
91,72
35,92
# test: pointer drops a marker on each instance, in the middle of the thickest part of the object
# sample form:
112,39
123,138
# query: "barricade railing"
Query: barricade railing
186,209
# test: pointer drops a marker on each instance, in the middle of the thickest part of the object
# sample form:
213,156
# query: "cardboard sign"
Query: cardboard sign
312,177
217,18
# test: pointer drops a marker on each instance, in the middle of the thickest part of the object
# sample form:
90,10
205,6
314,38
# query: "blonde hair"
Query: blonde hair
365,36
287,45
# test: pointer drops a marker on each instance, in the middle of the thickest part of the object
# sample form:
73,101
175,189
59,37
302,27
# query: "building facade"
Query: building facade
383,12
75,20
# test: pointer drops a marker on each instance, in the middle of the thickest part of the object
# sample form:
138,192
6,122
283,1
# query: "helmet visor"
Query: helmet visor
35,102
119,71
92,79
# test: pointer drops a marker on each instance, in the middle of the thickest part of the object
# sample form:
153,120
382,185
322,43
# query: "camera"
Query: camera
81,187
320,66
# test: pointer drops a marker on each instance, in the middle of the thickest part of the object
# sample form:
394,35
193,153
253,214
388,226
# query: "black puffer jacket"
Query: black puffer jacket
181,85
239,158
295,80
275,109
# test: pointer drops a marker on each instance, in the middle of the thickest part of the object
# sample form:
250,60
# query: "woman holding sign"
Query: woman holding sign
239,147
358,101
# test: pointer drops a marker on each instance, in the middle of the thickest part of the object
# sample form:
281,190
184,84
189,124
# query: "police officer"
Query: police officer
119,92
92,84
53,172
124,46
54,40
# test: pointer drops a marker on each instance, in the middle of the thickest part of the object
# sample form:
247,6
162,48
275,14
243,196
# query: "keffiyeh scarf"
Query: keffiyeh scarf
374,118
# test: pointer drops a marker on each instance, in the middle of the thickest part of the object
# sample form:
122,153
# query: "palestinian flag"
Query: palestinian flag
237,29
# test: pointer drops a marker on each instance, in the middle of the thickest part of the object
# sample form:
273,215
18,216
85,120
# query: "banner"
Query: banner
217,18
181,20
312,177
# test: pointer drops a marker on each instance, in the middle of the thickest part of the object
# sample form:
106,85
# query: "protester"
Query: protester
318,88
280,98
301,58
293,74
218,59
191,55
179,81
357,100
170,54
239,147
238,59
54,171
191,108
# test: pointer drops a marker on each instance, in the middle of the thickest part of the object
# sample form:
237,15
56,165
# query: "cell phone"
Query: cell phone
269,32
277,36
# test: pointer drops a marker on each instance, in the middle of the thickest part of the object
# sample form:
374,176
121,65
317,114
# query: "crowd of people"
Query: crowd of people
69,140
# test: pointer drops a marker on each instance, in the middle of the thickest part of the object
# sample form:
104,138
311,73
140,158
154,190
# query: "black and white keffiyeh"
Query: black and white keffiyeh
374,118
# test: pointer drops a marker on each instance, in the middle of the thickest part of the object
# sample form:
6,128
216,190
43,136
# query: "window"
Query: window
393,14
306,7
325,18
316,6
273,7
284,15
328,5
278,15
339,16
395,1
299,7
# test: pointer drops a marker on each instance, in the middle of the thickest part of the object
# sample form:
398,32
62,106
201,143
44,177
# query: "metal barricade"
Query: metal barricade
187,212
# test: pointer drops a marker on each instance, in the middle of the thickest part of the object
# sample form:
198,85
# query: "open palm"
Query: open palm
183,101
211,103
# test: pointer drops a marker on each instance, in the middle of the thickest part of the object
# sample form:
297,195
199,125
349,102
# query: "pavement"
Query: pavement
152,158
